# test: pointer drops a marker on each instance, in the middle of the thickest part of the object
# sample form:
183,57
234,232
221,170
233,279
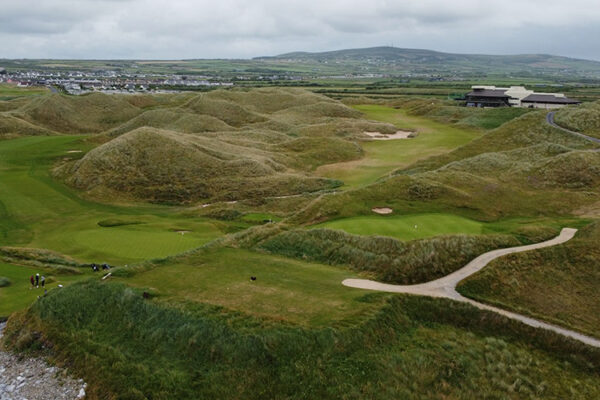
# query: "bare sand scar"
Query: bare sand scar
382,210
393,136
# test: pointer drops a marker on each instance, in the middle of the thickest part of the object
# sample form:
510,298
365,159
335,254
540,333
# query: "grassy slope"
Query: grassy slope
413,348
19,295
285,289
559,284
9,91
384,258
38,212
382,157
584,118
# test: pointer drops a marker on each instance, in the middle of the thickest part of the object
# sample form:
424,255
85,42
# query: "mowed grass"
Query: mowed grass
406,227
36,211
284,289
19,294
383,157
11,91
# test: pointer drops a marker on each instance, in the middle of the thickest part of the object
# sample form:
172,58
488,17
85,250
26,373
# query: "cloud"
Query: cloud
239,28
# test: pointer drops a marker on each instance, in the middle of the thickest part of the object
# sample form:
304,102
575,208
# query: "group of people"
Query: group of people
37,280
95,267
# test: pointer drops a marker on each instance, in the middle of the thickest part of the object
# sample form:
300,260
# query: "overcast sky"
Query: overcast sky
175,29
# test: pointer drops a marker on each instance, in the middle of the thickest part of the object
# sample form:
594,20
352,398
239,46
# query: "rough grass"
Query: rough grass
509,171
584,118
413,348
382,157
385,259
558,284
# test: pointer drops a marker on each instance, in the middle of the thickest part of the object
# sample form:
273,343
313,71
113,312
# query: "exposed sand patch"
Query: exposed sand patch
393,136
382,210
75,151
182,232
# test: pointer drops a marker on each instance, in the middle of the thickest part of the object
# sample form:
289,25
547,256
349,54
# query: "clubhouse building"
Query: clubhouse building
515,96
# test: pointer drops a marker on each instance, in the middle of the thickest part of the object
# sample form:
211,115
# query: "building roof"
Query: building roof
548,98
488,93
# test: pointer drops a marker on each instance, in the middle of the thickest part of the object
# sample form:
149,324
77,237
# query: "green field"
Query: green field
36,211
19,294
180,317
383,157
285,289
9,91
406,227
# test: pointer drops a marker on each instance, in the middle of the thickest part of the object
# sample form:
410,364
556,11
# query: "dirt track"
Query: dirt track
446,286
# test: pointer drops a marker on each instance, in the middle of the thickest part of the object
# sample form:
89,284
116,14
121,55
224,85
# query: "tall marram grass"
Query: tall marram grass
387,259
130,348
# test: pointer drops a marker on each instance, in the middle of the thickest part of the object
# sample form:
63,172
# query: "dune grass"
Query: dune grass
36,211
285,289
558,284
383,157
412,348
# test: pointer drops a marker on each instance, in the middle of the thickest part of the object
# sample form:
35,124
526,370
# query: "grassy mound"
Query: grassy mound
412,348
387,259
559,284
165,166
11,126
91,113
584,118
173,120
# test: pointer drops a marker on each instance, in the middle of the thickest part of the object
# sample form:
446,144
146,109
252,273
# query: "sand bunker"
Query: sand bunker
393,136
382,210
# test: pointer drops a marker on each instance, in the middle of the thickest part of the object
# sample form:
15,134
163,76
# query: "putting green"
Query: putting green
406,227
36,211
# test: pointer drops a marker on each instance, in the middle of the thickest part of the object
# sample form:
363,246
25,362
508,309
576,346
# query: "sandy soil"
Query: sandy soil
382,210
393,136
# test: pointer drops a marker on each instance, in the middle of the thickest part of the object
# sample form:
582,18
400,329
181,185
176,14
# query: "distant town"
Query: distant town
80,82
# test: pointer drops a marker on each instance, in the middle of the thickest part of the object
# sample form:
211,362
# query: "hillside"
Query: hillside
222,145
398,59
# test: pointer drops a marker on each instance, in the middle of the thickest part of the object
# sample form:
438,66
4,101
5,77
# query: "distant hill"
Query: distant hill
381,58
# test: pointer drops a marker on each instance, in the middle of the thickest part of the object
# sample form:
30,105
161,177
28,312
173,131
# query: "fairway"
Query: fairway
406,227
19,294
285,289
36,211
383,157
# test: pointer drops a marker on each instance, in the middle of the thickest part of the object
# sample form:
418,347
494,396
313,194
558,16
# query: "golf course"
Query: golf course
229,219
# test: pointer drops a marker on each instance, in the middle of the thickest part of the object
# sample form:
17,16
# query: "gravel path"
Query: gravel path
34,379
550,120
446,286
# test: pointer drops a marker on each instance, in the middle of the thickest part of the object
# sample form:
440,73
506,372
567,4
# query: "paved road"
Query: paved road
446,286
550,120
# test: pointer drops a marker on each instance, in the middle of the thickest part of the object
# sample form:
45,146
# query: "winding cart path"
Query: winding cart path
550,121
446,286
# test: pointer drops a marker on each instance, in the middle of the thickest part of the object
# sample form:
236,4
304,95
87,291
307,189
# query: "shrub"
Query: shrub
4,281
